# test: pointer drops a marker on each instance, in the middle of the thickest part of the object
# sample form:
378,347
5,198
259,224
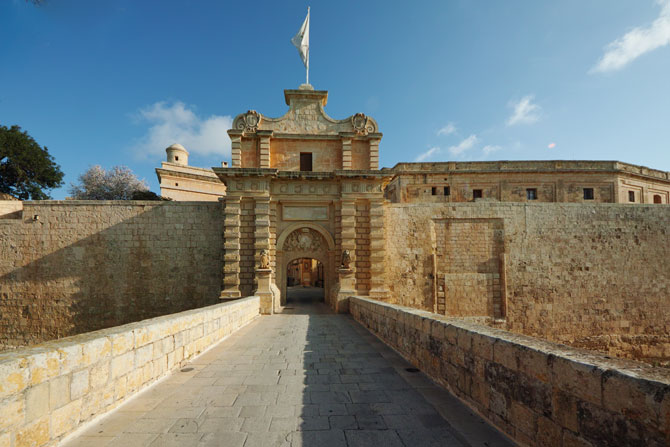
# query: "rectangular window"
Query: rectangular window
531,194
588,193
433,191
631,196
447,191
305,161
476,193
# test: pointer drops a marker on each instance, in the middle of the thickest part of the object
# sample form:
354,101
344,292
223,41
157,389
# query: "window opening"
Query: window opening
531,194
631,196
433,191
588,193
476,193
447,191
657,199
176,158
305,161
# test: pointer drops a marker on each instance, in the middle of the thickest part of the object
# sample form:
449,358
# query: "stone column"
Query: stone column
374,153
264,148
346,152
236,148
231,246
378,288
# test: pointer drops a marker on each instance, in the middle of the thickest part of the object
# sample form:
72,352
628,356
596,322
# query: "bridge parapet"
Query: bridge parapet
48,390
538,392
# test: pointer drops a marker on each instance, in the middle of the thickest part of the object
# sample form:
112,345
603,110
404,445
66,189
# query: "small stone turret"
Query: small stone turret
177,154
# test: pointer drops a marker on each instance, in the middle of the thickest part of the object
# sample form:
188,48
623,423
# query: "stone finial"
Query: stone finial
265,260
346,260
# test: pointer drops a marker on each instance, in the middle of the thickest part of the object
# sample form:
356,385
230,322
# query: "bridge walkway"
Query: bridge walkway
305,377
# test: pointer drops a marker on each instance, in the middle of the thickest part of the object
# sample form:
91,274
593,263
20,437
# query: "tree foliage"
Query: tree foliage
119,183
26,169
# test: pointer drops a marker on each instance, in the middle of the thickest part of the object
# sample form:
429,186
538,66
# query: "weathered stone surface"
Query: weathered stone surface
540,393
45,412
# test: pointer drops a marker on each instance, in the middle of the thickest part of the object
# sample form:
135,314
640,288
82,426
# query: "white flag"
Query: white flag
301,41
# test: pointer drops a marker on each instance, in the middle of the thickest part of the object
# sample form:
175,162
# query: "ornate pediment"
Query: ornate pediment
306,116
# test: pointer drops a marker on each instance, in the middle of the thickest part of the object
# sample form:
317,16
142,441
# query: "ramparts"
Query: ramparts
70,267
46,391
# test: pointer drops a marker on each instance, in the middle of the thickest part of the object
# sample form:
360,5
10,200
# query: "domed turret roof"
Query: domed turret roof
177,147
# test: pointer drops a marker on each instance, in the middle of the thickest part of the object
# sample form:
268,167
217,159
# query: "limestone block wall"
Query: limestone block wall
539,393
48,390
83,266
572,270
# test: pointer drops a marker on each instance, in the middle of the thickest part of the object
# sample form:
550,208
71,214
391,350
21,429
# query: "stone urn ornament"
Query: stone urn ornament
265,260
346,260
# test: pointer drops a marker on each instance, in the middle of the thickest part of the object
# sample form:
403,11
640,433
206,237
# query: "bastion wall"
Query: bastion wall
595,276
76,266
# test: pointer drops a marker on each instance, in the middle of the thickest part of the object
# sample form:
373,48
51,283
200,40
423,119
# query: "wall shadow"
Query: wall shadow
357,391
91,267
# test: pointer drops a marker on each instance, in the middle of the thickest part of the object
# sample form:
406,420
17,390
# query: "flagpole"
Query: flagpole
307,80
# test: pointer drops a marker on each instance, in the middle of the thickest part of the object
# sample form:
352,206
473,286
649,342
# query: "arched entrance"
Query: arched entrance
305,281
305,241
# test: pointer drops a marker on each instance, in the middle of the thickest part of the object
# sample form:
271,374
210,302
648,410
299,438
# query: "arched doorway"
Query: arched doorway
305,241
305,281
657,199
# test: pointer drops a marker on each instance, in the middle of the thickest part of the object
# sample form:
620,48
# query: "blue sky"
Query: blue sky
113,82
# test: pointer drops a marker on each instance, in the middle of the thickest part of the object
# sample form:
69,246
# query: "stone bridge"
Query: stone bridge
382,375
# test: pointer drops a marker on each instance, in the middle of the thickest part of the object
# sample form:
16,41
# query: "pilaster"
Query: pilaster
262,231
378,288
231,246
346,152
374,153
264,148
235,148
348,231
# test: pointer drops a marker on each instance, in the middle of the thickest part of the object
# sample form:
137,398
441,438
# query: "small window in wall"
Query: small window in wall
433,191
305,161
176,158
447,191
176,184
657,199
476,193
531,194
588,193
631,196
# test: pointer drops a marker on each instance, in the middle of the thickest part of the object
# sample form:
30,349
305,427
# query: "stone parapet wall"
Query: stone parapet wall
69,267
48,390
539,393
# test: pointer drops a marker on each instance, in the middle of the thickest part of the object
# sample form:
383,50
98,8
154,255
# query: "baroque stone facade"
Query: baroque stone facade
306,175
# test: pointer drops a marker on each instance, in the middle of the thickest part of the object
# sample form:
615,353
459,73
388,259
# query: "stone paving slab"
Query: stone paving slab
305,377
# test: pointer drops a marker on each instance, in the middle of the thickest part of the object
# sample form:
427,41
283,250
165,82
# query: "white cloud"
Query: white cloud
464,145
489,149
428,154
525,112
177,123
636,42
447,130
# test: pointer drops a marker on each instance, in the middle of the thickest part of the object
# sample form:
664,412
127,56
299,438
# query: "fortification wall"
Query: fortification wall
77,266
563,272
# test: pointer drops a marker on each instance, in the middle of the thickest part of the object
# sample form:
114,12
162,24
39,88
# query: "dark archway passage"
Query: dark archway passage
305,281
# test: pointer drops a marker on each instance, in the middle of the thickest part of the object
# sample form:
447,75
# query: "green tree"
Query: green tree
26,168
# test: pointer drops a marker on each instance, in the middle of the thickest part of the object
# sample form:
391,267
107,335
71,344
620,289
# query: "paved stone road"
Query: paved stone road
306,377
